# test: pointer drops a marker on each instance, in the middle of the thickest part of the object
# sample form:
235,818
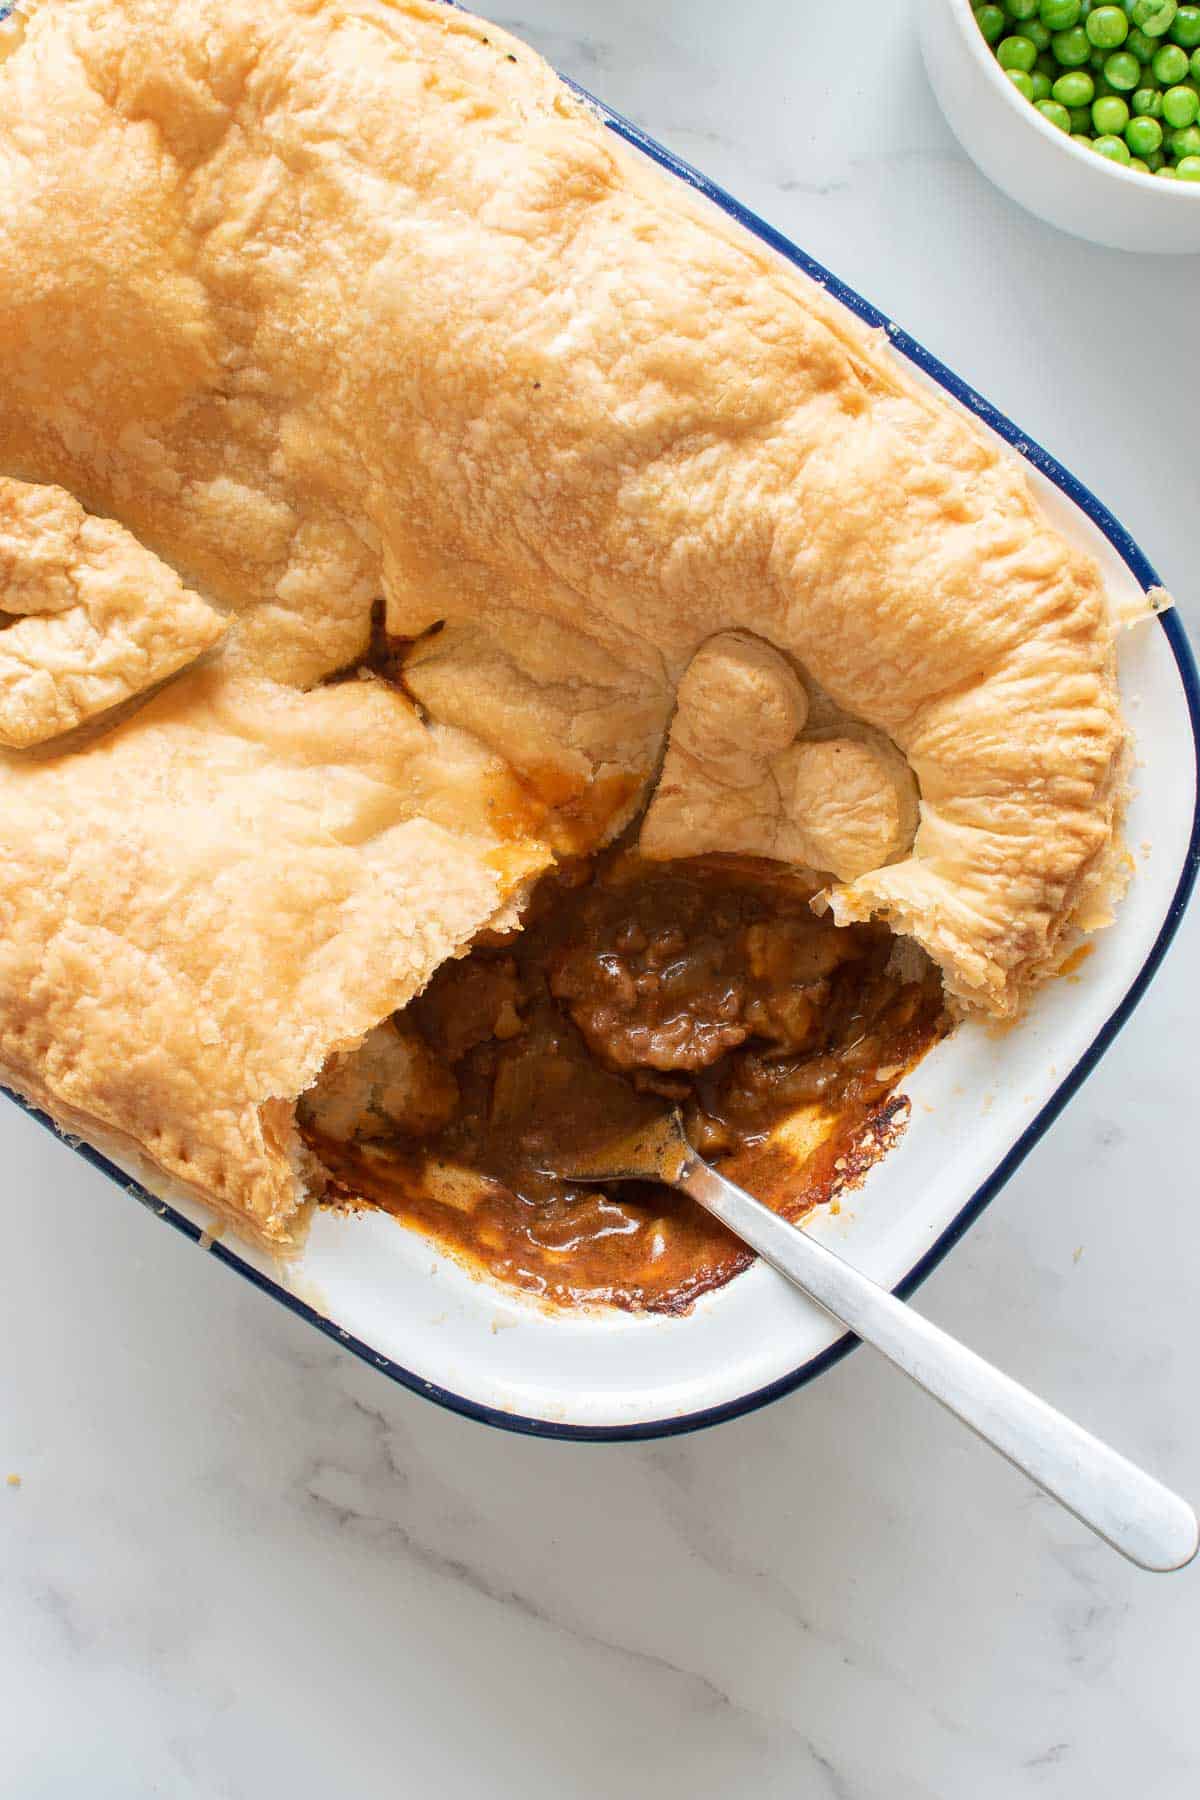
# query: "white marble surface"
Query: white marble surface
239,1564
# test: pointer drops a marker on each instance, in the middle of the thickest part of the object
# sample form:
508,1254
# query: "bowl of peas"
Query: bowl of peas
1086,113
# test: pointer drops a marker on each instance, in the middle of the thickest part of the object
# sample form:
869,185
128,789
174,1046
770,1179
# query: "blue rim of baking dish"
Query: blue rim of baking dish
1169,622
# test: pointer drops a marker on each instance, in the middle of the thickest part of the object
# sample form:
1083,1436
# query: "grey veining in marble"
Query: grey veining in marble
239,1564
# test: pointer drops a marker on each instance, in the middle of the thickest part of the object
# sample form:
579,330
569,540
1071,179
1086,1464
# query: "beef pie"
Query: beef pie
406,496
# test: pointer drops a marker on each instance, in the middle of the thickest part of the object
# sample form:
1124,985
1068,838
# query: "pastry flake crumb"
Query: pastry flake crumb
1133,609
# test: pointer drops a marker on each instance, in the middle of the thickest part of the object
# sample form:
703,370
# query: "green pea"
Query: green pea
1114,148
1155,17
1155,161
1075,88
1123,70
1016,53
1186,29
1107,27
1071,47
1047,65
1039,85
1135,162
1195,65
992,22
1081,137
1110,116
1021,82
1188,168
1103,86
1180,107
1098,58
1055,114
1147,104
1081,120
1058,15
1143,136
1035,30
1170,64
1166,170
1141,46
1185,143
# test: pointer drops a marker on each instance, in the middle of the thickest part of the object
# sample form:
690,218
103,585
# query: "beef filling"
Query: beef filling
708,984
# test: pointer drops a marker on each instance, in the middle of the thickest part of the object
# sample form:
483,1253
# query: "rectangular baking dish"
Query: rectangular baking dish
980,1101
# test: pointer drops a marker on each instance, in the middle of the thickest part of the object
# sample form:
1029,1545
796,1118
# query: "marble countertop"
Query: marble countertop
239,1564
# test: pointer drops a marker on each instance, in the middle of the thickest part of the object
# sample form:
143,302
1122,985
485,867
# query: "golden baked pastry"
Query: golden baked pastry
756,766
326,301
99,620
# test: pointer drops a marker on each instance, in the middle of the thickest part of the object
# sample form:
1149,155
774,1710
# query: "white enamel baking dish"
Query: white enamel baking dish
980,1101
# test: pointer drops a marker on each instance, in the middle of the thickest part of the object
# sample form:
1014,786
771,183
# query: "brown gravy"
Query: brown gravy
710,985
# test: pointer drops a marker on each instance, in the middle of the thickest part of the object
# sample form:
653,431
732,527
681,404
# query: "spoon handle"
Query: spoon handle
1128,1508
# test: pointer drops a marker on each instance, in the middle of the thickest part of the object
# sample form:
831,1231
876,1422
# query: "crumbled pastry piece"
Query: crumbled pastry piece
738,777
851,800
326,302
1133,607
391,1082
739,704
99,619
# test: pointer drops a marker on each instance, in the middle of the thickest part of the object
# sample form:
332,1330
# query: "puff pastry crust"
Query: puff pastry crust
99,620
328,300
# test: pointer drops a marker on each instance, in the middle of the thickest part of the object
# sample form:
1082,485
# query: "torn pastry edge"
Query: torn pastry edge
279,1235
1099,884
1096,888
136,1168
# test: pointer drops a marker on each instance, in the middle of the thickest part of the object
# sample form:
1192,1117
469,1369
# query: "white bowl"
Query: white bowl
980,1100
1035,163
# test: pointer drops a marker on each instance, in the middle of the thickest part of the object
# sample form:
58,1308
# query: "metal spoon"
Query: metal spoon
1126,1507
